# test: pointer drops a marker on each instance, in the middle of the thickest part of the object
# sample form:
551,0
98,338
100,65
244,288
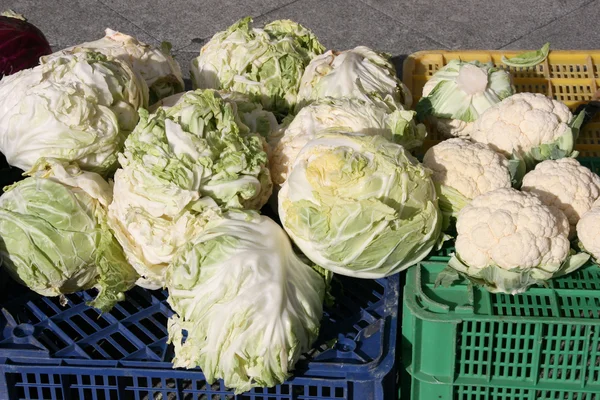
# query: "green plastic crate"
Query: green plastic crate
466,343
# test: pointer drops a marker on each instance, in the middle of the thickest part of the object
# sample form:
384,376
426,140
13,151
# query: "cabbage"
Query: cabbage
360,73
54,236
347,114
156,67
265,63
77,107
360,205
249,305
460,92
179,167
252,114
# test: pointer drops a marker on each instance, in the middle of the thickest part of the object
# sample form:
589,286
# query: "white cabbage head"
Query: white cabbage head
155,66
249,305
359,73
76,107
343,115
179,167
360,205
266,64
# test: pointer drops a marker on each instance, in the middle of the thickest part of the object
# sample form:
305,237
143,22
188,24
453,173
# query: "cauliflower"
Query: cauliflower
566,185
457,94
347,114
462,171
509,240
588,230
530,126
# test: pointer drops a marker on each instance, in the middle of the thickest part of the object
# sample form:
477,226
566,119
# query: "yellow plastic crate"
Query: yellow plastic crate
572,77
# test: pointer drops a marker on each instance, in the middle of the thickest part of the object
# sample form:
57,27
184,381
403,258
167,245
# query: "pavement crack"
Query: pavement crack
277,8
443,45
585,4
130,21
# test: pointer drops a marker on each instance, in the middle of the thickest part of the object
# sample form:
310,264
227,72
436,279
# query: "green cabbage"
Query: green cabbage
179,167
54,236
360,205
265,63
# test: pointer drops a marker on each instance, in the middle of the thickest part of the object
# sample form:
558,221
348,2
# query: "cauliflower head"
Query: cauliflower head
509,240
463,170
529,125
566,185
588,230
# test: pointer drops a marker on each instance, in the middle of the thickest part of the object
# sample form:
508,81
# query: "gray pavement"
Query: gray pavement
397,27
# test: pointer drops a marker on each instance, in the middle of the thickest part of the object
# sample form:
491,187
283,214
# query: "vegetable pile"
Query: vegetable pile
130,180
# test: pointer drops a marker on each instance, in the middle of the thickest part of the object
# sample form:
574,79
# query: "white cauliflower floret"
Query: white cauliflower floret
463,170
566,185
530,125
509,240
588,230
508,217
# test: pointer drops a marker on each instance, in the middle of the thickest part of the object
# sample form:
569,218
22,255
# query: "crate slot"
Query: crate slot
51,341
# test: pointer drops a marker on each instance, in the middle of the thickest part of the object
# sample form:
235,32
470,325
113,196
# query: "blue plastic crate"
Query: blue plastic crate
48,351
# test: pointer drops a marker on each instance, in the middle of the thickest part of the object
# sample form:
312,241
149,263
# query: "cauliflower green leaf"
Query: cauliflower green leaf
457,94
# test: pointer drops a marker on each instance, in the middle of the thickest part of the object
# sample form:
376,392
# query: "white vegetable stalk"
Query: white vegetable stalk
459,93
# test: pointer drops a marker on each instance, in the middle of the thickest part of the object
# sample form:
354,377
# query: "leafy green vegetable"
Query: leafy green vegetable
54,236
156,67
529,58
360,205
179,167
249,305
346,114
76,107
266,64
360,73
